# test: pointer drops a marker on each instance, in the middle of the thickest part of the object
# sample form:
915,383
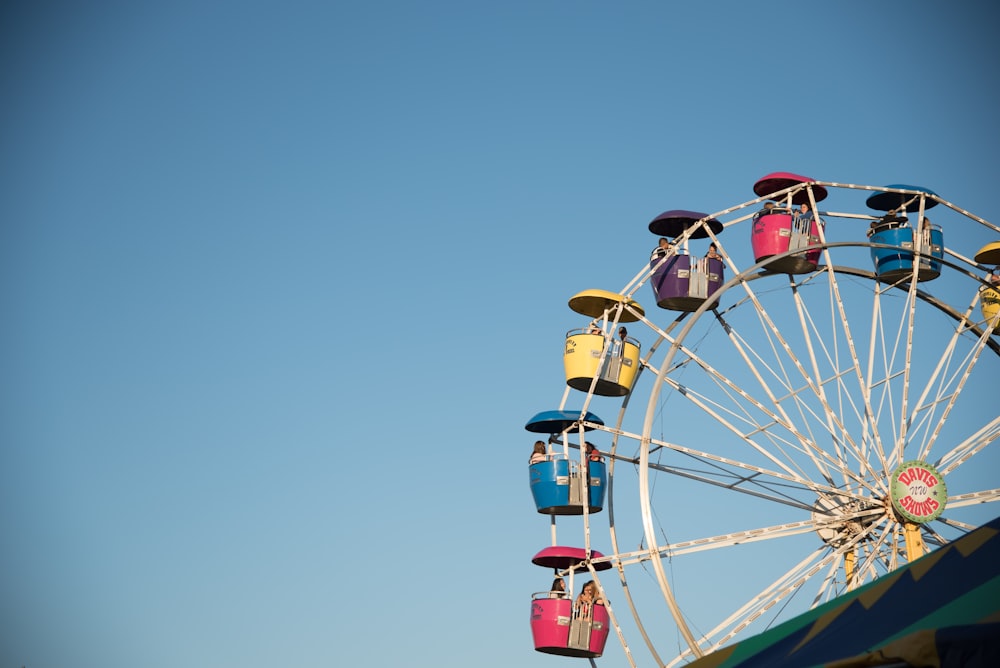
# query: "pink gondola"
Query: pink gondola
779,230
559,629
557,626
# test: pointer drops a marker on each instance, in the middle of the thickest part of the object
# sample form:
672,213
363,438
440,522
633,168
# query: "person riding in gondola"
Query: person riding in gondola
769,208
538,453
803,218
663,248
887,222
588,598
558,589
994,278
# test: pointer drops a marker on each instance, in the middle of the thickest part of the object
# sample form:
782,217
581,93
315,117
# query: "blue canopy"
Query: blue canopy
887,201
555,422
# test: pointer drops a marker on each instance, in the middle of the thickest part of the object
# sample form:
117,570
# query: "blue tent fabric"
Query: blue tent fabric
940,610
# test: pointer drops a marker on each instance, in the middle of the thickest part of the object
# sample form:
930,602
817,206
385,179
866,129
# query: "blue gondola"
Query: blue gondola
560,485
896,263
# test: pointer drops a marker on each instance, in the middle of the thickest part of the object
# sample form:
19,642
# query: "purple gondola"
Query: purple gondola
680,282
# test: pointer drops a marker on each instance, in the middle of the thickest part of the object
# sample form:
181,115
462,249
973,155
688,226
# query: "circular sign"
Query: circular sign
918,492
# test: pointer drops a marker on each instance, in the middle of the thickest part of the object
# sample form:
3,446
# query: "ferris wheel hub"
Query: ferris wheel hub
839,519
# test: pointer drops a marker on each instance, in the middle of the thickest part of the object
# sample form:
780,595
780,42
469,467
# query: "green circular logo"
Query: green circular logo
918,492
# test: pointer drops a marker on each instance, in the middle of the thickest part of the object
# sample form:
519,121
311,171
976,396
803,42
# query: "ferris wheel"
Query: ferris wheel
806,402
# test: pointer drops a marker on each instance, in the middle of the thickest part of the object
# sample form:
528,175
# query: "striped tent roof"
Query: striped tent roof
941,610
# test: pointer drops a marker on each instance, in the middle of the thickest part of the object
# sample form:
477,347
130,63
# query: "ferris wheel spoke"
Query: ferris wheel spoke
752,611
833,423
911,306
805,444
963,526
780,531
868,541
880,551
730,480
795,480
932,536
842,325
868,385
881,390
890,334
751,428
789,473
968,448
827,583
956,383
973,498
754,363
725,417
737,483
836,426
730,387
874,544
777,532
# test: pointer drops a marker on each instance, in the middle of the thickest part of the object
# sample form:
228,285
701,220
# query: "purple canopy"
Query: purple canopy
673,223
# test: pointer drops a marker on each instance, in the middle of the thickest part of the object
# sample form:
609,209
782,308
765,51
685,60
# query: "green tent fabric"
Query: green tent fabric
942,610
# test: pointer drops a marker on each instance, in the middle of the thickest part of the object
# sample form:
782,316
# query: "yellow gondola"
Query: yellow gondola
989,298
585,357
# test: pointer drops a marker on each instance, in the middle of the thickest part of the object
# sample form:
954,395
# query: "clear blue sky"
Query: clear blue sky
281,283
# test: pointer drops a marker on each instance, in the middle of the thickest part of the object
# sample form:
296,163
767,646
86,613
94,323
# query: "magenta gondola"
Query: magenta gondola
557,625
680,282
777,229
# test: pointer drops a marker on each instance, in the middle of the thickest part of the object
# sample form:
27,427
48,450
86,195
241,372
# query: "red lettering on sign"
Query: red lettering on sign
914,473
919,508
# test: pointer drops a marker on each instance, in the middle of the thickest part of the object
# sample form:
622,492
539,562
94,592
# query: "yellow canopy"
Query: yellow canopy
989,254
594,303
